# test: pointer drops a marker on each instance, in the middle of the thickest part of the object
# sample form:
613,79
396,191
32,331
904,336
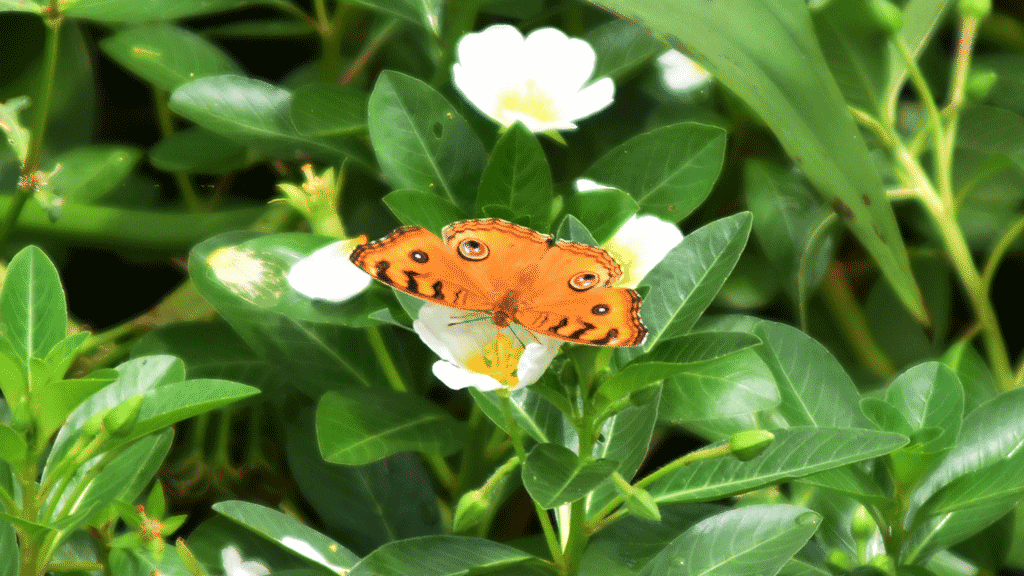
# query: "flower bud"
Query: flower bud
94,424
886,15
749,443
862,525
641,504
121,420
979,84
471,510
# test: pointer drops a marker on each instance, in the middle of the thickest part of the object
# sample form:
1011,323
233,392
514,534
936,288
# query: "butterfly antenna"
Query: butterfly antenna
520,340
467,319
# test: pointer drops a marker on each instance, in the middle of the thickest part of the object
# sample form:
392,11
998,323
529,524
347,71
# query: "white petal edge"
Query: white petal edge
535,360
328,274
234,566
641,243
590,100
458,378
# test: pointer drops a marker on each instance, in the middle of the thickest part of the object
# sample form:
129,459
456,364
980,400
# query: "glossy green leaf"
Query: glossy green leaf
855,50
685,282
1008,91
790,88
929,395
555,475
422,142
58,398
418,208
634,377
622,47
91,172
289,532
985,464
535,416
624,438
517,177
117,11
668,170
795,452
730,385
601,211
815,389
328,110
921,18
851,481
440,556
208,349
64,353
33,315
15,133
756,539
197,150
356,427
14,383
166,55
8,545
13,448
700,347
20,6
943,530
973,373
250,112
798,567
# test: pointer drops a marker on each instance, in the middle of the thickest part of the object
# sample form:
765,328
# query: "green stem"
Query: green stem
331,30
29,181
81,565
367,53
542,514
578,535
852,322
391,372
163,115
943,154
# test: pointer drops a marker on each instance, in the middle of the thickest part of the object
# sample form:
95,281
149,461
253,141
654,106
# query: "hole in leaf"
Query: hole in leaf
437,129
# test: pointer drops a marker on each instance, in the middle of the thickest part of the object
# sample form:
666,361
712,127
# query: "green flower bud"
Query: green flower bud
121,420
471,510
883,563
641,504
94,424
974,8
21,417
840,560
979,84
862,525
886,15
749,443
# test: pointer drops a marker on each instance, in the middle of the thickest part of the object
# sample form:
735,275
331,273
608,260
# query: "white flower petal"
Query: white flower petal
328,274
536,358
234,566
680,73
587,185
561,64
639,244
591,99
457,378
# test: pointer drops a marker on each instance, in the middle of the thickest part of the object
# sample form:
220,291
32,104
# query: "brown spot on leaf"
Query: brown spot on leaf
842,209
865,199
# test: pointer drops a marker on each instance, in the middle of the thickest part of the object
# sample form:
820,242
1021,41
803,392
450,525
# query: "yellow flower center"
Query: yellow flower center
499,359
526,100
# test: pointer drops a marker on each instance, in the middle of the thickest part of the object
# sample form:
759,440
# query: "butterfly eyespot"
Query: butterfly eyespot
600,309
473,250
419,256
583,281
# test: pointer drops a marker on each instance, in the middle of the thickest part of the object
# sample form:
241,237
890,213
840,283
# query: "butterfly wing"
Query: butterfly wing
415,261
572,299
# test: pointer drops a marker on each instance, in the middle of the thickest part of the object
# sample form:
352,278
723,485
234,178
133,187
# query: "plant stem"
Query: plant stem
163,115
384,358
853,324
29,182
369,50
934,118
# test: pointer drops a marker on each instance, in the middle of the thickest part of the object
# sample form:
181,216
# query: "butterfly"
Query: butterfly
555,287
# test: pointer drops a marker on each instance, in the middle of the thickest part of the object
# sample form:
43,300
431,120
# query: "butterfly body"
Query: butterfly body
556,287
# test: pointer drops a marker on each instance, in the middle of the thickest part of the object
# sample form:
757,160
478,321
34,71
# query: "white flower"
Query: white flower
537,80
476,353
328,274
233,565
587,185
679,73
639,244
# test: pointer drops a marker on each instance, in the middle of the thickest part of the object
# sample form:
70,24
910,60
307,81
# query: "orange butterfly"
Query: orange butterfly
554,287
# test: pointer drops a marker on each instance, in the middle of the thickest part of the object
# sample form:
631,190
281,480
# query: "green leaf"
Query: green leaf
920,20
250,112
64,353
117,11
16,134
685,282
426,13
668,170
208,349
20,6
795,452
929,395
89,173
13,448
356,427
422,142
791,88
418,208
756,539
731,385
54,402
33,315
973,373
282,528
166,55
197,150
855,50
555,475
328,110
14,383
634,377
622,48
986,459
9,542
517,177
440,556
851,481
624,438
535,415
700,347
815,389
601,211
992,130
